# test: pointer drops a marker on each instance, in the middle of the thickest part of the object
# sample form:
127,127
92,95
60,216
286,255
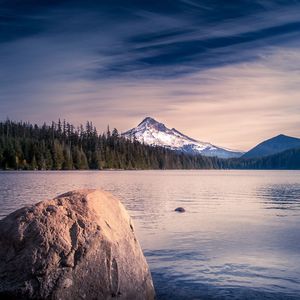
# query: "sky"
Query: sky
225,72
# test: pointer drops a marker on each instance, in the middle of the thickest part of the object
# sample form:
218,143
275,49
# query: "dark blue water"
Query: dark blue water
238,239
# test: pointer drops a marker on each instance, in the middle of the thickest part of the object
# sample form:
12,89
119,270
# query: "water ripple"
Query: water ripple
238,239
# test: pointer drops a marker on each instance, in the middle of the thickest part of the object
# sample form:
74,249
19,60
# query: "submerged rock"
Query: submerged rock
179,209
80,245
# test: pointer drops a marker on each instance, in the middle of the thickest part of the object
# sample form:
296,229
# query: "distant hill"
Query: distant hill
286,160
272,146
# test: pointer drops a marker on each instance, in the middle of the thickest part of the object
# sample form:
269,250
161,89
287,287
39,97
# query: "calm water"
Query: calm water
239,237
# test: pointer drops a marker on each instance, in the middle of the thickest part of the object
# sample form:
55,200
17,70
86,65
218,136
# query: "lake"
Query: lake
238,239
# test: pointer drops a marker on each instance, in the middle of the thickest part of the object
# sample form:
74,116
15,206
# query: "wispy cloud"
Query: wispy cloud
224,73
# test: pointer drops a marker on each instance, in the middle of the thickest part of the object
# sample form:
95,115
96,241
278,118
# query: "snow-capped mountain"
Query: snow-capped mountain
153,133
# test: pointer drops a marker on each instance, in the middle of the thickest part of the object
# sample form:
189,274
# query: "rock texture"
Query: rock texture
80,245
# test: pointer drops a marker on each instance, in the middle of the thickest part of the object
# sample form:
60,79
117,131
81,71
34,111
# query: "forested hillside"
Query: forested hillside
62,146
286,160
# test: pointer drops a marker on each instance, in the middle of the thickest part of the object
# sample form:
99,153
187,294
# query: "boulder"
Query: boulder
80,245
179,209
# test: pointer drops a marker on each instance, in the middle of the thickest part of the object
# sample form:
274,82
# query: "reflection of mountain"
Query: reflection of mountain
280,196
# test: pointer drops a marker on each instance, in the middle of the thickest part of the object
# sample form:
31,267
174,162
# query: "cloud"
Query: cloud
222,73
234,106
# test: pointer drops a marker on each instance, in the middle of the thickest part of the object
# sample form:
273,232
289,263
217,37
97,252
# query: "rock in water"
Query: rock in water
80,245
179,209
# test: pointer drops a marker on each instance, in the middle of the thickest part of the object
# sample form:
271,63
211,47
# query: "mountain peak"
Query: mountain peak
149,123
154,133
273,145
148,120
280,136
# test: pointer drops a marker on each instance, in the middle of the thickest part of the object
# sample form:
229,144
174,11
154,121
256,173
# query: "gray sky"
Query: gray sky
224,73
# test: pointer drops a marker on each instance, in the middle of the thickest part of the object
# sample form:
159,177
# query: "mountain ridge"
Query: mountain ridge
274,145
154,133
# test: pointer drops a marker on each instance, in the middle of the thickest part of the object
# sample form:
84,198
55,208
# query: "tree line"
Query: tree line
62,146
286,160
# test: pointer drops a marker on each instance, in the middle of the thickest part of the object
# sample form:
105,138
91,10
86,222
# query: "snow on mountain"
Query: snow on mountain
153,133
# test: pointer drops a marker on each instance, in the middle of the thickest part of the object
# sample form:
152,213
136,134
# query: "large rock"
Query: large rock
80,245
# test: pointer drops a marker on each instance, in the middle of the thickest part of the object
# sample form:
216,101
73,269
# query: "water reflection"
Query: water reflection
231,243
280,196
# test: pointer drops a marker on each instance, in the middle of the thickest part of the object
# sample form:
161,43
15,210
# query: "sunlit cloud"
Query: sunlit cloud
195,65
